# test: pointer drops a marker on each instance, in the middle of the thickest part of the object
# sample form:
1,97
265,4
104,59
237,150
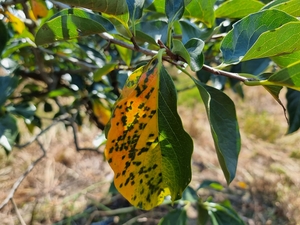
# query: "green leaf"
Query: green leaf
60,92
135,8
3,36
175,217
147,146
291,7
202,10
179,49
190,195
24,109
293,108
7,85
194,47
238,8
224,127
8,131
157,30
289,76
191,30
211,184
247,32
125,54
286,59
202,214
72,23
174,9
113,7
104,70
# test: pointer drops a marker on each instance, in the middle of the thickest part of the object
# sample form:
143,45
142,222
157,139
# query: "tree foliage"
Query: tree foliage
114,62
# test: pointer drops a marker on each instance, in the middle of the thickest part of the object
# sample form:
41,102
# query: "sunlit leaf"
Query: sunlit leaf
147,146
39,8
17,23
72,23
224,127
238,8
101,112
286,59
291,7
202,10
104,70
241,42
114,7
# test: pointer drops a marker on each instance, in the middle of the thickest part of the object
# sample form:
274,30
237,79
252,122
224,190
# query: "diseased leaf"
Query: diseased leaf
174,9
291,7
224,127
39,8
238,8
147,146
72,23
202,10
246,33
293,108
113,7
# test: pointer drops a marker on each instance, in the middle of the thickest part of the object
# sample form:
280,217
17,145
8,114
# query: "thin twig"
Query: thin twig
23,176
224,73
17,212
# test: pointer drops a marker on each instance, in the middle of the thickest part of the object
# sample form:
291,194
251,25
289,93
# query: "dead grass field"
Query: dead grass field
266,189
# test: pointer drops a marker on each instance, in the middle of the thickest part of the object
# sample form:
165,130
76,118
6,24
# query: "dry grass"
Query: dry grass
265,190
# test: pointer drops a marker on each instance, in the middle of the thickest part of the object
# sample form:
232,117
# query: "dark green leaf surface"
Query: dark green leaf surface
247,31
114,7
7,86
224,127
202,10
3,36
174,9
179,49
175,217
154,30
238,8
135,8
72,23
289,76
176,144
8,131
194,48
24,109
291,7
224,214
293,108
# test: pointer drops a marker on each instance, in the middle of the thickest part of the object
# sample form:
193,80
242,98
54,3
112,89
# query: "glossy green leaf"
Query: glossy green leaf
241,41
3,36
108,67
125,54
224,127
113,7
293,108
194,47
157,30
8,131
238,8
72,23
286,59
147,146
179,49
289,76
291,7
7,86
135,8
202,10
174,9
175,217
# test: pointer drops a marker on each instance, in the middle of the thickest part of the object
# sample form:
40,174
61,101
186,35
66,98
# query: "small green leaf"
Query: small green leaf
238,8
293,108
135,8
174,9
125,54
72,23
194,47
247,31
191,30
224,127
8,131
179,49
7,86
113,7
104,70
157,30
211,184
175,217
60,92
202,10
291,7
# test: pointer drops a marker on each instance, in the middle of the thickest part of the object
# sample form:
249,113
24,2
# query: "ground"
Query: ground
65,183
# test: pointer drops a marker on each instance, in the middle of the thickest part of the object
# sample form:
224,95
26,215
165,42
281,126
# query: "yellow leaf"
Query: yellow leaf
102,113
17,24
133,149
39,8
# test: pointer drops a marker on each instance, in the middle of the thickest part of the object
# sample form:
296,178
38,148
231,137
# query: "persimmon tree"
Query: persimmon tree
116,60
